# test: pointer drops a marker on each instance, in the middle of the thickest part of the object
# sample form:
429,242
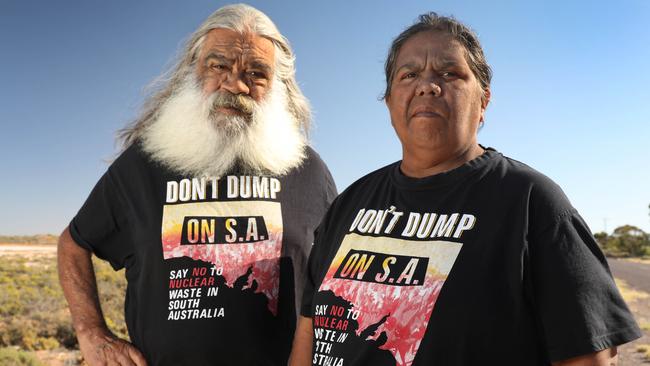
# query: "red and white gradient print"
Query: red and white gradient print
235,259
410,307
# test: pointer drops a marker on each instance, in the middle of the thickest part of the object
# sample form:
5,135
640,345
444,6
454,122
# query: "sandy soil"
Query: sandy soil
60,357
26,249
31,252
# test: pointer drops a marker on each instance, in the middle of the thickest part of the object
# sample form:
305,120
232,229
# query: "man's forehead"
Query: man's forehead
227,40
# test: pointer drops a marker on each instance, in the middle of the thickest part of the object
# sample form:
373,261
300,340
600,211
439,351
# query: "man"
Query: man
455,255
210,208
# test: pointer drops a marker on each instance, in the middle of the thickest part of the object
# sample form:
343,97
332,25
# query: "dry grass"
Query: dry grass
645,350
13,356
34,317
644,325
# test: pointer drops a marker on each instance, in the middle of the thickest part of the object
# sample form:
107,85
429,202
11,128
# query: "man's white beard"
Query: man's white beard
185,138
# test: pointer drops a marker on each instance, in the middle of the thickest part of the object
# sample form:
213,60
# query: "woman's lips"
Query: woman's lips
425,113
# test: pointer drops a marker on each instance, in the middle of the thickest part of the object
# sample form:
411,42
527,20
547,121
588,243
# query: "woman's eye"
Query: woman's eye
409,75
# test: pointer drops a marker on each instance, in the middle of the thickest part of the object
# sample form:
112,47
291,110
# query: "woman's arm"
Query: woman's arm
302,343
606,357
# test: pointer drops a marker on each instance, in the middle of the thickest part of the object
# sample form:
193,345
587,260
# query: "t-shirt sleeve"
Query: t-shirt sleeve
578,306
330,188
313,270
101,224
323,179
317,258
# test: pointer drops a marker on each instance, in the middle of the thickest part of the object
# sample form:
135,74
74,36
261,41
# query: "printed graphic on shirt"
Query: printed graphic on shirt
377,297
236,248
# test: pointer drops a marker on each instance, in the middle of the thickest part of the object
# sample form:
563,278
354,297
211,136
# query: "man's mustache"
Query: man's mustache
240,102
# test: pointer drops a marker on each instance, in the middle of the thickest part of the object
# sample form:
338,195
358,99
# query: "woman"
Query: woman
455,255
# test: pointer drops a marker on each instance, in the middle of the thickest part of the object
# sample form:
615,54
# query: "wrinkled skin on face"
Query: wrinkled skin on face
238,67
435,104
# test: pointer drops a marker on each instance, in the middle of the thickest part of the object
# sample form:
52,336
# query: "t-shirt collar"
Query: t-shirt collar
450,176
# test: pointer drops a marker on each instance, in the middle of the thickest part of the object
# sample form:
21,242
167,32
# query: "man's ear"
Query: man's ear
484,102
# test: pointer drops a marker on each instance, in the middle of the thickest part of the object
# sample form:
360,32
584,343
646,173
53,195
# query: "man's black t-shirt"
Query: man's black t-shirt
485,264
215,265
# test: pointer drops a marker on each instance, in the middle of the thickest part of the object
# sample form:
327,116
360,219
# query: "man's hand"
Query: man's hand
98,345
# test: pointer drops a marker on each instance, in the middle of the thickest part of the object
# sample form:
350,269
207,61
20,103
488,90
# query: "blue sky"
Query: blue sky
569,95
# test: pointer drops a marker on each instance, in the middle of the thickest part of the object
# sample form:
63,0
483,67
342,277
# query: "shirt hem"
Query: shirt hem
596,344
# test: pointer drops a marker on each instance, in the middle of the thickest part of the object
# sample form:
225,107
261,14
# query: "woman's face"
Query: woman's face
435,101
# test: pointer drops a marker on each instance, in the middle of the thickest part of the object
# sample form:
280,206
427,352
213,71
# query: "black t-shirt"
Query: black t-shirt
215,266
485,264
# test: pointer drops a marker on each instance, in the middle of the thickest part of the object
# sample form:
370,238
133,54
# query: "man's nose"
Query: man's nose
235,84
428,86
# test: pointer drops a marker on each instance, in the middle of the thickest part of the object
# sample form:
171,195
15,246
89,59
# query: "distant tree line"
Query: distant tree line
625,241
29,239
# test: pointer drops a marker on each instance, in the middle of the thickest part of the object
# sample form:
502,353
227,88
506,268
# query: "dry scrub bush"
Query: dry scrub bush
33,311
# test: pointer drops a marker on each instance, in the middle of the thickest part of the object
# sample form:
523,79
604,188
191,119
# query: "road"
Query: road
637,275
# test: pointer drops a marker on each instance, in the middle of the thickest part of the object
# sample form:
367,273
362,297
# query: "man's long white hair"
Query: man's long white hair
176,86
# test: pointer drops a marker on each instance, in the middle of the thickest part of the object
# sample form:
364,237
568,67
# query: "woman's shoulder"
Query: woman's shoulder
371,180
516,173
544,196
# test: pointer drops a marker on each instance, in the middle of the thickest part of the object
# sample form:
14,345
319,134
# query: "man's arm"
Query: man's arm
606,357
302,343
77,277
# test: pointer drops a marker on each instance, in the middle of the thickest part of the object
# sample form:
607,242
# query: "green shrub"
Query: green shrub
10,356
33,312
625,241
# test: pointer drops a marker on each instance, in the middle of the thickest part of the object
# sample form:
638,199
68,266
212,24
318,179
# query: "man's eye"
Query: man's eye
218,67
257,75
449,75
